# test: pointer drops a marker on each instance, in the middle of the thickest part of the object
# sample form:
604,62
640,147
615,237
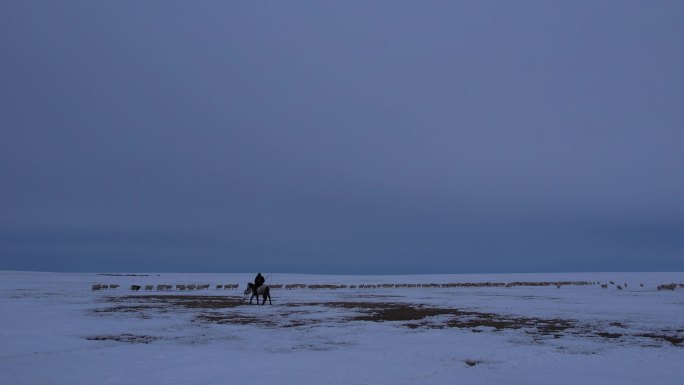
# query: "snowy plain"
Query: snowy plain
57,331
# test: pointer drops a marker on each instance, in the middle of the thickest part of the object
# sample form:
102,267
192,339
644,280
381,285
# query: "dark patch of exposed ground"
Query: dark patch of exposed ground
145,306
129,338
673,339
185,301
472,362
235,319
224,310
416,316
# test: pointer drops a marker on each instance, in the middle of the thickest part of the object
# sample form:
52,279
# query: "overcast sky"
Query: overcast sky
342,136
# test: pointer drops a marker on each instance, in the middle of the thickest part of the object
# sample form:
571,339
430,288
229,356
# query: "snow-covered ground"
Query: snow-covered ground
56,331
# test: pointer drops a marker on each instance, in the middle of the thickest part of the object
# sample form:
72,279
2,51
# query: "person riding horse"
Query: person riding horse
253,288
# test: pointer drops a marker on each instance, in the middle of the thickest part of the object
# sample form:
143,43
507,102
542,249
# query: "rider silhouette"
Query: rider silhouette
258,281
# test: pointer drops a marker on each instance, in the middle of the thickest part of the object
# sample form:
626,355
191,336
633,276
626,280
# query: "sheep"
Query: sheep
511,284
149,287
180,287
604,286
671,286
219,287
619,287
135,287
113,286
96,286
104,286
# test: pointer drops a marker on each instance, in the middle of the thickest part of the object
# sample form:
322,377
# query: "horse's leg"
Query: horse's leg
269,298
251,298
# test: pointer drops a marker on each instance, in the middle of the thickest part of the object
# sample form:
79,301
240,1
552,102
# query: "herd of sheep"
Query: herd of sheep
99,286
670,286
165,287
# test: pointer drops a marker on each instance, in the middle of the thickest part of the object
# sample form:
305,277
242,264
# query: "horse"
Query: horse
263,291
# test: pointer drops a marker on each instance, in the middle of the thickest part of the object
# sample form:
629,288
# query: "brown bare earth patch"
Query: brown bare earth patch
122,309
417,316
674,340
383,311
183,301
225,310
146,306
129,338
401,312
472,362
235,319
609,335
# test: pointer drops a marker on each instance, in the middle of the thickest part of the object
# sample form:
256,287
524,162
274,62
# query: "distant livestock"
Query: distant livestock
328,286
318,287
561,283
670,286
295,286
99,286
